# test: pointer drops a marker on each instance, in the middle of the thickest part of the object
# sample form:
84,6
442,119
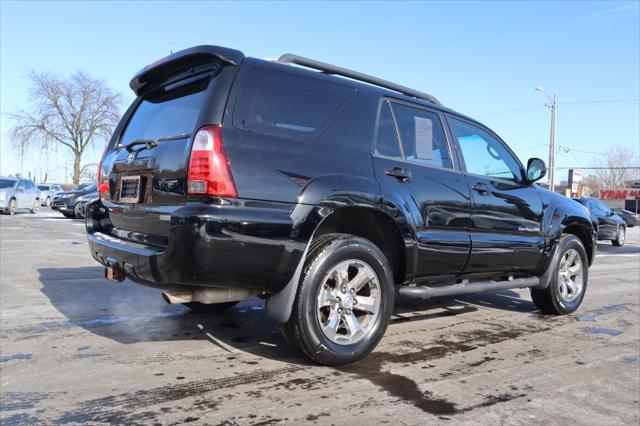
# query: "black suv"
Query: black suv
609,225
326,192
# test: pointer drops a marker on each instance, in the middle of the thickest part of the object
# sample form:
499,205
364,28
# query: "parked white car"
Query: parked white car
18,194
48,192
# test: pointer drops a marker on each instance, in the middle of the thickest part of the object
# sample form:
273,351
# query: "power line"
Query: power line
601,168
531,108
567,149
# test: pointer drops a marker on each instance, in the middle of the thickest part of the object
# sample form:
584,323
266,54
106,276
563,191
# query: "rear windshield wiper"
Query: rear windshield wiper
152,143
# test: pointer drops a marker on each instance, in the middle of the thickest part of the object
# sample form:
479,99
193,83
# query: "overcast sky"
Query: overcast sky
482,59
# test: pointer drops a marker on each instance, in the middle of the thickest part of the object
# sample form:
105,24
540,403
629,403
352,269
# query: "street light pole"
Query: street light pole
552,105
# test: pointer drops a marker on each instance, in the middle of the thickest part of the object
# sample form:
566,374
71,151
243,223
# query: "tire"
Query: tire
47,202
551,299
36,207
210,308
76,211
357,328
620,237
12,207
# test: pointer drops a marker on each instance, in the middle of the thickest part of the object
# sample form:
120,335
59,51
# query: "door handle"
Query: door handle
399,173
480,188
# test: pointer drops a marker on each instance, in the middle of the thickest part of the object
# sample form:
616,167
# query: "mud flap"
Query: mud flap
279,305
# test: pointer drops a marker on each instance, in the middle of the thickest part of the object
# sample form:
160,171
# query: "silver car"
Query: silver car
18,194
47,192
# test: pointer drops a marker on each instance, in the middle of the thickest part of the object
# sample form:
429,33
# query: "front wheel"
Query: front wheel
47,202
12,206
620,236
36,207
344,302
569,276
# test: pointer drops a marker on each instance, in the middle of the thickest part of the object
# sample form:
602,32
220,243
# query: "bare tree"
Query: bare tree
74,112
617,166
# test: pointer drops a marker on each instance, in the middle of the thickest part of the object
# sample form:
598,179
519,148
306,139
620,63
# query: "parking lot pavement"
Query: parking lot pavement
76,348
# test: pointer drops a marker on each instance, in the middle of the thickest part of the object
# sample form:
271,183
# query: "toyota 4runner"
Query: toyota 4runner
327,192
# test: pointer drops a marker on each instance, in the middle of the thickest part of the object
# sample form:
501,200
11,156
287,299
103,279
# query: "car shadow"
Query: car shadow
604,248
129,313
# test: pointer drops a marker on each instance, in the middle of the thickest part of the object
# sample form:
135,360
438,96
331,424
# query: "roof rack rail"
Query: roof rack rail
289,58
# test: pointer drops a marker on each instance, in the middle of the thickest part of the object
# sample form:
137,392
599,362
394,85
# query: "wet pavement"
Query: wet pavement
75,348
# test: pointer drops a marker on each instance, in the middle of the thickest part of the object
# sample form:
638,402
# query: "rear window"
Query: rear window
43,187
279,103
7,183
167,111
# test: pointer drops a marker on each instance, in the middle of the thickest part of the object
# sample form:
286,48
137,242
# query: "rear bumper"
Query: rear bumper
244,245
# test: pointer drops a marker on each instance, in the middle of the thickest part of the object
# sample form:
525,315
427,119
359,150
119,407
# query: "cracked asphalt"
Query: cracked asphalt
75,348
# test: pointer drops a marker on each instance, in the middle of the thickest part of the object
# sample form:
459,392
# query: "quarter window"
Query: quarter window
280,103
483,154
387,136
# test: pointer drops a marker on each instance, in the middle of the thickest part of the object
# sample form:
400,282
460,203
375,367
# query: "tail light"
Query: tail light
209,172
103,183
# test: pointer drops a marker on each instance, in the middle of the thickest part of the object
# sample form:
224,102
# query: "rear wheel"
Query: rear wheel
210,308
47,202
620,236
344,301
36,207
569,278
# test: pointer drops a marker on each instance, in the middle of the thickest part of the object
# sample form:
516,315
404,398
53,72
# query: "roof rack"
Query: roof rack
288,58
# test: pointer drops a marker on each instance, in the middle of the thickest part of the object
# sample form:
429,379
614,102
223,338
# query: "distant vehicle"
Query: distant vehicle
82,203
610,225
47,192
18,194
632,219
71,203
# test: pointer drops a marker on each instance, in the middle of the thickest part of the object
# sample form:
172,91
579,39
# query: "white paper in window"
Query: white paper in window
424,138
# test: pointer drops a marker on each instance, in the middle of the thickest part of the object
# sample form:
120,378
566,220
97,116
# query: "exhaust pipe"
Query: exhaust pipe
209,295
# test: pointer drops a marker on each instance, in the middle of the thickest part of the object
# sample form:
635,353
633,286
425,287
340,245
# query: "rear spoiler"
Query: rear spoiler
181,62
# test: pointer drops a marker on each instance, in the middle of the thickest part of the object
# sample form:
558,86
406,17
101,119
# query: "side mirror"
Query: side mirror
536,169
21,189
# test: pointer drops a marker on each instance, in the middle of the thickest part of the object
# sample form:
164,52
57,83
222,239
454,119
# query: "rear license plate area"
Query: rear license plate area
129,189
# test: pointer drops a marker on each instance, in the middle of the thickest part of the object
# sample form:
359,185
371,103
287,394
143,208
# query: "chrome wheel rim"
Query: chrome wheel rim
570,276
621,235
12,207
348,302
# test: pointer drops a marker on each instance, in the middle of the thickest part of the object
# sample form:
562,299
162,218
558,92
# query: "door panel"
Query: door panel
506,219
435,199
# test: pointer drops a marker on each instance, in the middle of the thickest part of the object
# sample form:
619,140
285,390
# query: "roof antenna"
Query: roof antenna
170,48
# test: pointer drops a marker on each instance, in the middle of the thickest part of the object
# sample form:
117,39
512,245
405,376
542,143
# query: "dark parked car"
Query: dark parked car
231,176
18,194
610,226
71,203
631,219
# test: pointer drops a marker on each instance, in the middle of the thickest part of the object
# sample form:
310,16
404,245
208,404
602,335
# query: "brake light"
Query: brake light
103,183
209,171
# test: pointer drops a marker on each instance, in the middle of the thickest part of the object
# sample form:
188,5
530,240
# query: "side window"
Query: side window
281,103
22,184
483,154
386,136
422,136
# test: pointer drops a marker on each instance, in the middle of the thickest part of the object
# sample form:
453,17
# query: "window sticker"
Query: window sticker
424,138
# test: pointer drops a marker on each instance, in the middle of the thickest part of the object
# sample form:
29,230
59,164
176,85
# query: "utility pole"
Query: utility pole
552,105
552,143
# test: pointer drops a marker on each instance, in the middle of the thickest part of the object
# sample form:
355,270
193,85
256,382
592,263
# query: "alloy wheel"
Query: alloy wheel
570,276
348,302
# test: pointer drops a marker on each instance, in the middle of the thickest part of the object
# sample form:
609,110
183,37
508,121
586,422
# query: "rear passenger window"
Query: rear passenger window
422,136
280,103
386,136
